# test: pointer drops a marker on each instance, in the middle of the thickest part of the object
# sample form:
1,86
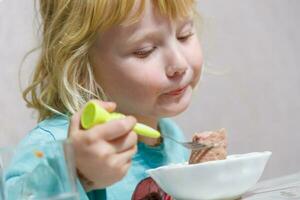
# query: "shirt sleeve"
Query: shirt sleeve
30,176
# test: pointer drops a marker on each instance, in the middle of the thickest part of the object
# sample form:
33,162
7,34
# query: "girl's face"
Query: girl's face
149,68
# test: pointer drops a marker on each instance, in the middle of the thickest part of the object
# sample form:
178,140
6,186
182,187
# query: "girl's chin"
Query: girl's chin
173,106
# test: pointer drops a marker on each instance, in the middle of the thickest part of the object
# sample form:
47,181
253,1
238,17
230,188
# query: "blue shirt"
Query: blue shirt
56,128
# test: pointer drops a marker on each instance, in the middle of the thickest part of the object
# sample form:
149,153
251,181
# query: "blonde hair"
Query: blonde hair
63,80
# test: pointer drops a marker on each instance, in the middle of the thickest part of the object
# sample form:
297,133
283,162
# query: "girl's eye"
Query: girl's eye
185,37
143,53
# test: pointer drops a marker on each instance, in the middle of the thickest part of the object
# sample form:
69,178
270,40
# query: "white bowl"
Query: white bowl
221,179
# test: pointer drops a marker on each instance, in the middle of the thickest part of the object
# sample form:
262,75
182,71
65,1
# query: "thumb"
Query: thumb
107,105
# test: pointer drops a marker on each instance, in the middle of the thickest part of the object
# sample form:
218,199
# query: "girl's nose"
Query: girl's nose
175,71
177,64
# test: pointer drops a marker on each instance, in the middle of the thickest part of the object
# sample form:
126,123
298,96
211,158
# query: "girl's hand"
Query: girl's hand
103,153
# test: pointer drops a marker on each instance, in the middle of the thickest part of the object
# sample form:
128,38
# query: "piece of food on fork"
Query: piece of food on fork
219,150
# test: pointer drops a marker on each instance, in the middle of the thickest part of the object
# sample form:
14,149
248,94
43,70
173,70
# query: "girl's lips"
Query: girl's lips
177,91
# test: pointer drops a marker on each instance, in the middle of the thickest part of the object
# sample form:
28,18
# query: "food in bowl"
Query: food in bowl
219,150
211,174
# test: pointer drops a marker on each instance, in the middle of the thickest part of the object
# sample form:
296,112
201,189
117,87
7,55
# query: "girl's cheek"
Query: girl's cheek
197,55
197,64
154,82
197,67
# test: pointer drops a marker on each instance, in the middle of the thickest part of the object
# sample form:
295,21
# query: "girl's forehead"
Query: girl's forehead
149,14
148,24
165,9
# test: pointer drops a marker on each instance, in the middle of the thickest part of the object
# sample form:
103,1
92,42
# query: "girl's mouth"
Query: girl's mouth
177,91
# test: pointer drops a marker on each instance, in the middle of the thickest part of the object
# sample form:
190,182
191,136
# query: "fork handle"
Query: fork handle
166,136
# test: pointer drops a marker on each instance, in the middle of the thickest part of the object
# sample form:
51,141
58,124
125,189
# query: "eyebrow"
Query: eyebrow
143,35
149,34
189,23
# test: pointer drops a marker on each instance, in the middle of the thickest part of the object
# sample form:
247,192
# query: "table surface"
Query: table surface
281,188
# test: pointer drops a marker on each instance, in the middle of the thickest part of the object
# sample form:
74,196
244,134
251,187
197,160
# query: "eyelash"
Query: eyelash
185,37
144,53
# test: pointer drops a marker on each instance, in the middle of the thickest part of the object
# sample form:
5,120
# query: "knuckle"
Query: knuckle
132,118
75,138
104,154
73,118
133,136
113,165
94,135
132,151
88,139
124,125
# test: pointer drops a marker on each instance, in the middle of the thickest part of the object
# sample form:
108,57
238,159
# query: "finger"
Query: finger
126,167
125,142
74,124
112,129
107,105
125,156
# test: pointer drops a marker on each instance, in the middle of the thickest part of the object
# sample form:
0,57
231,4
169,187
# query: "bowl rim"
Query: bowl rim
230,158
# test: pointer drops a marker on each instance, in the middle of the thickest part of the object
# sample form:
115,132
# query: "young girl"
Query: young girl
140,58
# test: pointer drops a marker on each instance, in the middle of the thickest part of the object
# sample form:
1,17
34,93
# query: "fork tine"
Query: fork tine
199,146
194,146
190,145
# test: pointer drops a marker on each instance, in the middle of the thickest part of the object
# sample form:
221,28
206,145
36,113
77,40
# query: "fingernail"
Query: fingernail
132,118
110,103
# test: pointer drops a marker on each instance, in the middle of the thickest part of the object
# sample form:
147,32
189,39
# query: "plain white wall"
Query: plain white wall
258,100
253,47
